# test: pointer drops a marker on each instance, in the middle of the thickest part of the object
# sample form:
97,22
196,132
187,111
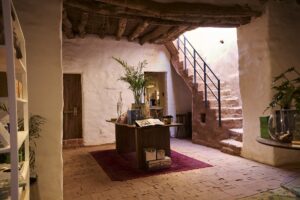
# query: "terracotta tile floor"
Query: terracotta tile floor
230,177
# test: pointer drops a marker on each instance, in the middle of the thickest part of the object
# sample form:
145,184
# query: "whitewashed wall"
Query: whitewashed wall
267,46
41,23
222,58
92,57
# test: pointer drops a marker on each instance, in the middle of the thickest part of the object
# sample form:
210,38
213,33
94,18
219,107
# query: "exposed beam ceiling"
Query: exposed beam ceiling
147,20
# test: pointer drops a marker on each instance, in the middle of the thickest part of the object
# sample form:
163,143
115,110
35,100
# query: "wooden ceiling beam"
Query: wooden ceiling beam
174,31
119,12
138,30
83,22
121,28
183,8
119,15
149,37
67,25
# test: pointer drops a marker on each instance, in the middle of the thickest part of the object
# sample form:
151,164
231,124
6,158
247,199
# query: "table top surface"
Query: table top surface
128,125
274,143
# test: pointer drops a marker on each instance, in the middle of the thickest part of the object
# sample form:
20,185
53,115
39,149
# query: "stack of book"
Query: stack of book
156,159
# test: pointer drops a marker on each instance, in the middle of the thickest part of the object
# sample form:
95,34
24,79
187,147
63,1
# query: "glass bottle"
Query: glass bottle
119,105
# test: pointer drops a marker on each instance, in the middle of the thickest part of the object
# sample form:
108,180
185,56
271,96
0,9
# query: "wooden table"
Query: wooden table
274,143
293,184
130,138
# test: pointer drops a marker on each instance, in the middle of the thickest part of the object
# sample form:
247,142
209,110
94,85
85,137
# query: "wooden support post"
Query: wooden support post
139,29
67,25
82,24
121,28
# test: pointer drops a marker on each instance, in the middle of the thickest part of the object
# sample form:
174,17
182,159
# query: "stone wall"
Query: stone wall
92,57
267,46
41,23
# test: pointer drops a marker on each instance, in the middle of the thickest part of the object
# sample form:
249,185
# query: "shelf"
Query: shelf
22,135
22,100
18,185
20,67
19,100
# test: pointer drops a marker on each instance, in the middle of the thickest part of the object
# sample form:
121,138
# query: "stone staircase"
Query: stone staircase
205,125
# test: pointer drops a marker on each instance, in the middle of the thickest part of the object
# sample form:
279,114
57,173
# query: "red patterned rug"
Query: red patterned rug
122,167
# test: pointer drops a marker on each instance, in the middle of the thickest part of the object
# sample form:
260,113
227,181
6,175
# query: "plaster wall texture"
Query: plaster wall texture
263,56
222,58
41,23
92,57
38,19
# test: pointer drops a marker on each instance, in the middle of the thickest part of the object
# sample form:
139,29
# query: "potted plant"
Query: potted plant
35,123
287,99
134,76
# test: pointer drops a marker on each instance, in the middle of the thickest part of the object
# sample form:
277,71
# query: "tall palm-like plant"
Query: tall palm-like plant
134,76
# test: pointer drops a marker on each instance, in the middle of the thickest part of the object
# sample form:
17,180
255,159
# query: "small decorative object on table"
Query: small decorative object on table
168,119
119,105
287,97
133,115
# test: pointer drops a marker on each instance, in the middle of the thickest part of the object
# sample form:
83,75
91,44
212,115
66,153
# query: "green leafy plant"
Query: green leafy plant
287,91
134,76
35,128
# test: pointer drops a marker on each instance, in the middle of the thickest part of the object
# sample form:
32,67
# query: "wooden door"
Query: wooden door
72,107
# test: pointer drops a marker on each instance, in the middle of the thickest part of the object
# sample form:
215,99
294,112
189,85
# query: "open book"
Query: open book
148,122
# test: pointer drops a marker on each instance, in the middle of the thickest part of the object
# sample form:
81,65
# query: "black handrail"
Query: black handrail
195,64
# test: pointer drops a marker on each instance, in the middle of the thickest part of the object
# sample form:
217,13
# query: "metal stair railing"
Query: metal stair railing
204,72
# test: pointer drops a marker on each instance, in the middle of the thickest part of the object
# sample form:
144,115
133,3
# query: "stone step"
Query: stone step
229,112
232,102
236,134
224,93
231,146
230,123
212,86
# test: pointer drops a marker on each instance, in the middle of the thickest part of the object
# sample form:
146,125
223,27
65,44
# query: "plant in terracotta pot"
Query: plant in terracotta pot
134,76
287,99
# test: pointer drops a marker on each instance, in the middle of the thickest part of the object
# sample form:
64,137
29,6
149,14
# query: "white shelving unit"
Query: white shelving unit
18,179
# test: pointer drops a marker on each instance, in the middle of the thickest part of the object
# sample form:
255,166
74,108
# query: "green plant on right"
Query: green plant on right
287,91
